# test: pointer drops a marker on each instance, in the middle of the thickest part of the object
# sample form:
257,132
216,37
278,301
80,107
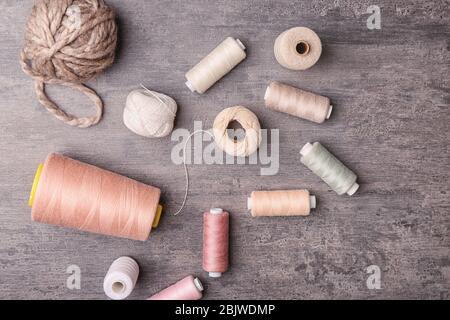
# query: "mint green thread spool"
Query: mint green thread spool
332,171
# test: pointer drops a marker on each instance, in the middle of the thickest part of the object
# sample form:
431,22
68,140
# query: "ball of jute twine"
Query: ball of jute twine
68,42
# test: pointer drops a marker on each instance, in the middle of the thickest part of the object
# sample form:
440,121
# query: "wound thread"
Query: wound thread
249,122
281,203
296,102
215,242
324,164
298,48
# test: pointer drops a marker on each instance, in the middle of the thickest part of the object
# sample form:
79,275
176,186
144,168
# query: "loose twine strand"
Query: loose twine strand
183,204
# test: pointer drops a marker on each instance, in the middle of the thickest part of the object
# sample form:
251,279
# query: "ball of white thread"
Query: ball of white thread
149,114
249,122
121,278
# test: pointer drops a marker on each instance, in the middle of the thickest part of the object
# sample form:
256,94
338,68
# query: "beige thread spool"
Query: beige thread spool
299,103
281,203
215,65
298,48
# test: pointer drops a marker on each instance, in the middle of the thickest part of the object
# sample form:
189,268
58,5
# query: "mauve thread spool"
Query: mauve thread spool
77,195
329,168
281,203
188,288
215,242
296,102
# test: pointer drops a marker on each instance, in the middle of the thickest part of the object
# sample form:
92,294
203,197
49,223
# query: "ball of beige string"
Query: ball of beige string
68,42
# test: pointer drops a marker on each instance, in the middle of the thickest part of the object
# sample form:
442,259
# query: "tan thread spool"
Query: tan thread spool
281,203
215,65
77,195
249,122
298,48
299,103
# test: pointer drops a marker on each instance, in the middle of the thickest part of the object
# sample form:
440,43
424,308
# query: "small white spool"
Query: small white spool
121,278
215,65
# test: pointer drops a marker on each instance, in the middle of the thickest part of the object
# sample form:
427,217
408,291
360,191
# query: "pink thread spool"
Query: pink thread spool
215,242
189,288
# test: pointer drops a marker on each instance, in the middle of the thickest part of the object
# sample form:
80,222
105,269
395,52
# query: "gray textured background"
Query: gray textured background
390,89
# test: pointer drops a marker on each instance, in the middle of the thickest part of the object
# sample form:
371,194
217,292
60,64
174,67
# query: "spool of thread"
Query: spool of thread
215,242
298,48
320,161
215,65
249,122
121,278
149,113
299,103
77,195
68,43
189,288
281,203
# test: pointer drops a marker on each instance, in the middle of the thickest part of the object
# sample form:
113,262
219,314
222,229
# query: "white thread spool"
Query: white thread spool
121,278
332,171
215,65
149,113
298,48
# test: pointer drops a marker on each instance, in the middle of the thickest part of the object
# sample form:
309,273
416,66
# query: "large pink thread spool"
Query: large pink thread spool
77,195
215,242
188,288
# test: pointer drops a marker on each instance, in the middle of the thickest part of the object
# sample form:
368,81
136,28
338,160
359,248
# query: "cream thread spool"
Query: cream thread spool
298,48
281,203
332,171
296,102
215,65
121,278
249,122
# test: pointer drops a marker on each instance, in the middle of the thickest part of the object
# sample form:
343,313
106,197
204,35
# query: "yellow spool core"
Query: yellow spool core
157,216
35,184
